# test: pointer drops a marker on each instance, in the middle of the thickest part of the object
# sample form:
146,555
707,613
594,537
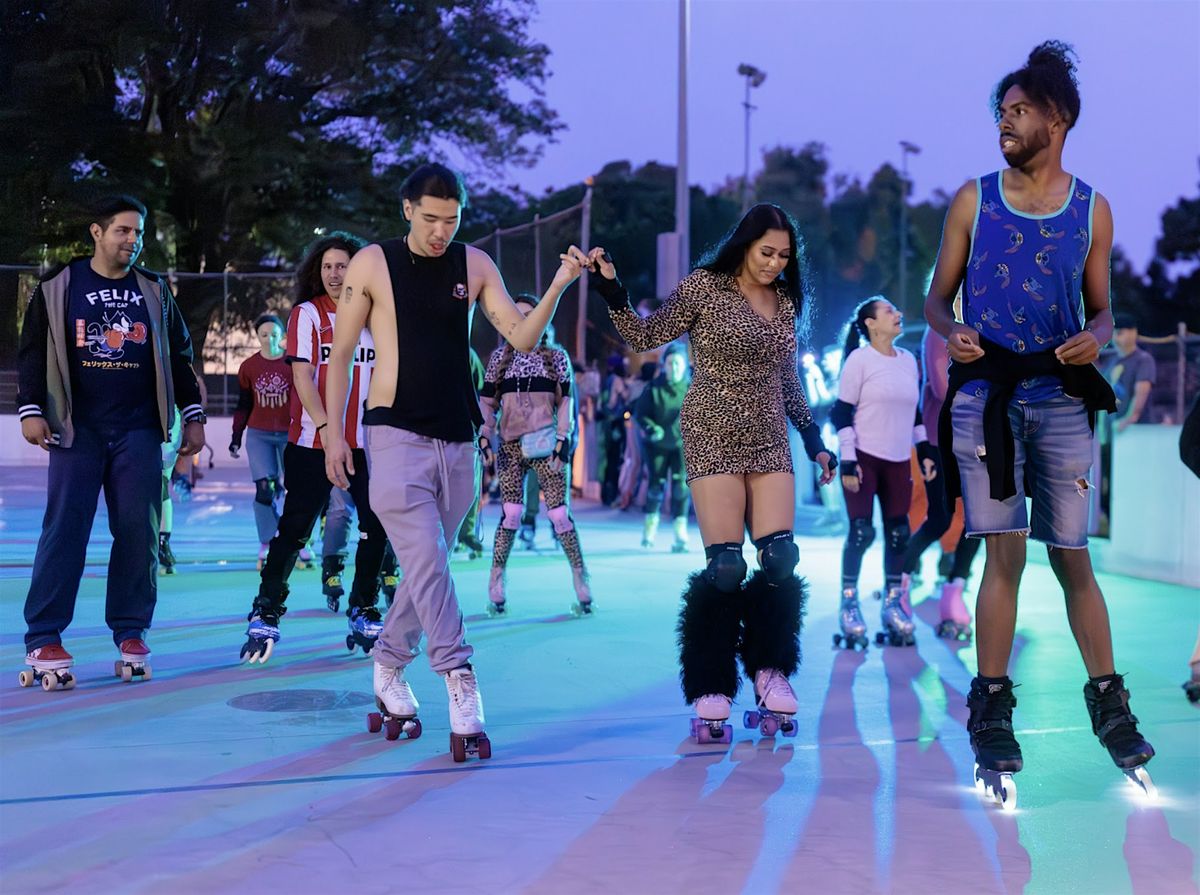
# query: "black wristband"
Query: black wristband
927,451
849,467
562,450
612,291
813,445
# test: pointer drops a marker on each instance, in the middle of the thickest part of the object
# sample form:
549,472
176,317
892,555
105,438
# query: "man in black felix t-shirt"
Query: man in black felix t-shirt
105,364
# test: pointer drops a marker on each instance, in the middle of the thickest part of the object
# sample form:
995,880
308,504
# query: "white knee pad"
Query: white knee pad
512,516
561,517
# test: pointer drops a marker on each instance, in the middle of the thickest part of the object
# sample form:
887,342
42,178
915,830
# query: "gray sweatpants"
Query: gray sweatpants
421,490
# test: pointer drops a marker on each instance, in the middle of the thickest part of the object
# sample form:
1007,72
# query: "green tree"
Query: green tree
246,124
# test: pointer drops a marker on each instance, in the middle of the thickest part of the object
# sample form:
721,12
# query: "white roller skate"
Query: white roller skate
956,618
681,535
712,713
366,624
898,626
134,661
649,530
583,593
775,704
466,715
854,628
497,604
396,703
49,666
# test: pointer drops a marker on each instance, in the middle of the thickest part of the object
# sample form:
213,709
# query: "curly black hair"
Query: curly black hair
308,274
1048,78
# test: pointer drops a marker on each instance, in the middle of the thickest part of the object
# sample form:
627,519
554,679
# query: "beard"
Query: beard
1027,148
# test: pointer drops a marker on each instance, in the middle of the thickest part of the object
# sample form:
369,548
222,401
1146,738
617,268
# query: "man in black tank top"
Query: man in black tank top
417,294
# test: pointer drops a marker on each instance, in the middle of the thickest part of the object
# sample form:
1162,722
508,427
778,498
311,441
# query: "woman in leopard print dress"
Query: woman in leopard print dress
741,308
530,393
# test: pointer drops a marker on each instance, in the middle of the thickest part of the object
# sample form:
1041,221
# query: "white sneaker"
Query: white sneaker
394,692
466,705
774,692
713,707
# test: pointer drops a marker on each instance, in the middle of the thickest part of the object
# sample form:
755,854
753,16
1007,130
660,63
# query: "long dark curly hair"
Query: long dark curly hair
728,255
308,274
1047,78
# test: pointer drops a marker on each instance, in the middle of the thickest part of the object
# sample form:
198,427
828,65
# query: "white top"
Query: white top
885,392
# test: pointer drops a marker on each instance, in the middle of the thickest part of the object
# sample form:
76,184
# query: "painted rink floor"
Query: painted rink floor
215,776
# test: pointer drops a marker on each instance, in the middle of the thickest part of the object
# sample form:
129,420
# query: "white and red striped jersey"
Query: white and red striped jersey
310,339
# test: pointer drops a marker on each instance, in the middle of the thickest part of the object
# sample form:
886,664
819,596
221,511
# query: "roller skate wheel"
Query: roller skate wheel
349,643
25,678
750,719
879,638
68,682
695,726
413,729
770,726
126,673
789,728
703,734
726,734
146,673
1140,778
1006,793
49,681
374,722
458,748
117,668
484,747
392,728
837,639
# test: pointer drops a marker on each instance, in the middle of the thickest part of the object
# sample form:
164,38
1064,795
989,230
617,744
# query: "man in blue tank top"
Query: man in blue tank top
417,295
1030,246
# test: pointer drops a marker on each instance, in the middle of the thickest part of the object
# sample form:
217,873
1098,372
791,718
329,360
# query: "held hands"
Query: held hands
600,262
928,458
339,462
193,439
1081,349
828,463
571,263
963,344
851,475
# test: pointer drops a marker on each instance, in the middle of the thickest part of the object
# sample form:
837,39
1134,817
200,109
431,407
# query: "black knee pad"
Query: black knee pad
264,491
726,568
897,532
861,536
778,555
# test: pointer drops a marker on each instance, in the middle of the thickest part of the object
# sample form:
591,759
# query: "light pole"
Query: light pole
754,78
906,149
683,209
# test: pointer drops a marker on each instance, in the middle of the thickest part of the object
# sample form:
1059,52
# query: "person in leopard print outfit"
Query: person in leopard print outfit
526,399
741,307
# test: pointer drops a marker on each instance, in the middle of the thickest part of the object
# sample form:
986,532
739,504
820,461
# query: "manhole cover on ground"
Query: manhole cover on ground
300,700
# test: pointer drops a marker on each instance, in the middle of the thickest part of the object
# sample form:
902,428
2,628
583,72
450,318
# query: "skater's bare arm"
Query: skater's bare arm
522,331
953,256
306,389
1084,347
354,306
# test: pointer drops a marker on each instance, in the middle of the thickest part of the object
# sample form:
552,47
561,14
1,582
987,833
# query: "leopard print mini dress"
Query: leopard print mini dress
745,387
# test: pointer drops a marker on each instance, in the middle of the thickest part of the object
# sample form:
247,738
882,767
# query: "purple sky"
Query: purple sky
861,76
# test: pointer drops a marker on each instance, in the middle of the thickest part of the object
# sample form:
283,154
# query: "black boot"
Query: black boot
991,703
708,635
389,575
331,580
1108,704
166,556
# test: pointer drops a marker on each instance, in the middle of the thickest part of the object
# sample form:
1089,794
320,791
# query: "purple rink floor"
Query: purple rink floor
216,777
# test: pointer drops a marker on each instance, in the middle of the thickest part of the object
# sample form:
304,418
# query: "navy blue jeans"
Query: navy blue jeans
127,465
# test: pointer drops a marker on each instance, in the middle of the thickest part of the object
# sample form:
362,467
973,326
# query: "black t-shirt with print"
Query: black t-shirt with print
112,359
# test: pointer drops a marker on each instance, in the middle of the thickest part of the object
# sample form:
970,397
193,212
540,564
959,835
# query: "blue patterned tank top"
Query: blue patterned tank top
1024,283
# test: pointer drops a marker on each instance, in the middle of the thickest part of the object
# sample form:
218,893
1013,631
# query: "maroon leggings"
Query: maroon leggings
890,479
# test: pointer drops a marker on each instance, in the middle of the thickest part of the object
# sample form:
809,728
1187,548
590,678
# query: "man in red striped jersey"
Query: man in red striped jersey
309,342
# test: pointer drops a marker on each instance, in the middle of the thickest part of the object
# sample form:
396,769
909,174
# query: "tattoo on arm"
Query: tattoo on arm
347,295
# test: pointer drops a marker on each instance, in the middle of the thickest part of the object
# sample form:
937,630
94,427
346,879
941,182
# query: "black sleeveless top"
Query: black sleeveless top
435,393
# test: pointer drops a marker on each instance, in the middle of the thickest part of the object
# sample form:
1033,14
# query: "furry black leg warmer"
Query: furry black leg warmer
772,616
708,633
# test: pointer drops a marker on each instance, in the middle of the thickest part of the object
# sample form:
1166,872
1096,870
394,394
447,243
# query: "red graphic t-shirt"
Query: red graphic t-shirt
269,383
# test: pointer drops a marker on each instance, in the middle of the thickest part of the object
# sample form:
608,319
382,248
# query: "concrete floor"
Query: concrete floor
216,776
